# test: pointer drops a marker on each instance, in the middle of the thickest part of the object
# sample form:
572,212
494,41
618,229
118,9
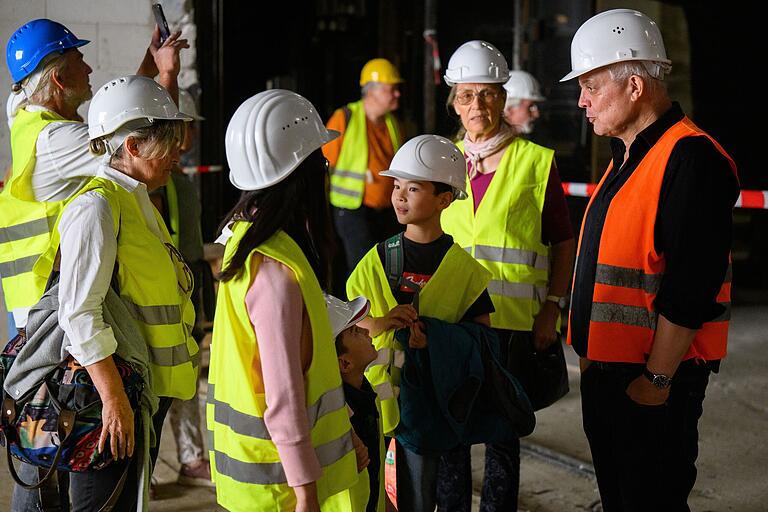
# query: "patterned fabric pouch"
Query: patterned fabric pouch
57,424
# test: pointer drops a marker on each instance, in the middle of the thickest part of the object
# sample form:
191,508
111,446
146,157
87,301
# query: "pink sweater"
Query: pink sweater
280,321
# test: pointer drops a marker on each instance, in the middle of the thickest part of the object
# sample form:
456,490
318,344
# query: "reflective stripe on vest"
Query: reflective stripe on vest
245,462
504,234
150,282
25,224
454,287
630,273
349,174
254,426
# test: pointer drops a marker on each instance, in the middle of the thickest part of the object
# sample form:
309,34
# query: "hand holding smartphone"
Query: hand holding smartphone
162,23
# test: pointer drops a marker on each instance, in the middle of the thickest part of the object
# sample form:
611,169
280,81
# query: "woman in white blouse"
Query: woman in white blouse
111,236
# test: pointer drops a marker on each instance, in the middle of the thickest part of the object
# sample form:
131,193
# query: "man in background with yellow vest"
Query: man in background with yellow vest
49,143
651,293
370,136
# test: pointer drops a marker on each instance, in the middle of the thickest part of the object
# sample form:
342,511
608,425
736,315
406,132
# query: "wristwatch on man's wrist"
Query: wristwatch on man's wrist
659,380
562,302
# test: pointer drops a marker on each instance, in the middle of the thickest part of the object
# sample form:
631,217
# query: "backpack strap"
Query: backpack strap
394,261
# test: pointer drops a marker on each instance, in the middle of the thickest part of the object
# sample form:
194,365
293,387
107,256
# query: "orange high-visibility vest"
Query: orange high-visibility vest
630,271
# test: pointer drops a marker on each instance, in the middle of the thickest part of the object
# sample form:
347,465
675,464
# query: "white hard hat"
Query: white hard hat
615,36
431,158
269,135
476,62
523,86
130,98
345,314
187,105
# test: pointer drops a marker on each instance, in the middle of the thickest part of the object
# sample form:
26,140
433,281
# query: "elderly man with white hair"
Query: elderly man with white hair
651,293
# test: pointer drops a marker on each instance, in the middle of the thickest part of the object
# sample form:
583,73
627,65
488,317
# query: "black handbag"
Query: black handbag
543,375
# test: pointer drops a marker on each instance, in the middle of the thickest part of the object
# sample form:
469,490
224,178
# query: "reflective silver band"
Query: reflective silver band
271,473
349,174
18,266
255,426
384,391
623,314
516,290
512,255
26,229
345,192
628,278
154,315
170,356
399,359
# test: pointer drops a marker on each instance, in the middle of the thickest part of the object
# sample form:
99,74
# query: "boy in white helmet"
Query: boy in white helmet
418,272
355,352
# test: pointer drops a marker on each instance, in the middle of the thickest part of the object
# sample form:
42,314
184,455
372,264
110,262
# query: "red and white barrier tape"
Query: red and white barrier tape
201,169
747,198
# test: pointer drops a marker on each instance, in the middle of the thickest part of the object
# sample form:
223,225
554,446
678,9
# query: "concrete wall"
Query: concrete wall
119,31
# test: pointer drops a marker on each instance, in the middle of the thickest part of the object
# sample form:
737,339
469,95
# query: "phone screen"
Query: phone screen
157,9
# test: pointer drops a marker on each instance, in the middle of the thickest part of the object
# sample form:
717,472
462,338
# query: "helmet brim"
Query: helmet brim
394,173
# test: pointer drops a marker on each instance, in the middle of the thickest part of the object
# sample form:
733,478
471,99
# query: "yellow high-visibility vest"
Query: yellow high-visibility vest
455,286
154,283
245,463
504,235
349,174
25,224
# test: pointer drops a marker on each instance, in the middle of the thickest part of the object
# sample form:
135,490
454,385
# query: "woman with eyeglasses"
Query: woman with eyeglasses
281,435
516,224
110,236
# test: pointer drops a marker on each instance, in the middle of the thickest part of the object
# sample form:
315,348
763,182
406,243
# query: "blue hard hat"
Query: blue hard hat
33,41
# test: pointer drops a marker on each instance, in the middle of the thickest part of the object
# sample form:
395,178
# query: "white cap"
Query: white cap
269,135
345,314
476,62
615,36
431,158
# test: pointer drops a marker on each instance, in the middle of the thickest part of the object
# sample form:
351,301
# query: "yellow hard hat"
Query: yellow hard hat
380,70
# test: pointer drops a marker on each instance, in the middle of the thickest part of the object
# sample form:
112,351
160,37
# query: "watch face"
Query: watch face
661,381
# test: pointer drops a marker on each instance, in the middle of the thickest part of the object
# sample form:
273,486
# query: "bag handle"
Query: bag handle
65,426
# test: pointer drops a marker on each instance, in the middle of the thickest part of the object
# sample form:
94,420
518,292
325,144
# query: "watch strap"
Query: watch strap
659,380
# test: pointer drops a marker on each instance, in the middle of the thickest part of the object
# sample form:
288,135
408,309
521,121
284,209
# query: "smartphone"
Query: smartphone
162,23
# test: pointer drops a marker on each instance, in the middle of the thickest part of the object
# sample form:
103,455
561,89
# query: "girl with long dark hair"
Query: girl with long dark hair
281,433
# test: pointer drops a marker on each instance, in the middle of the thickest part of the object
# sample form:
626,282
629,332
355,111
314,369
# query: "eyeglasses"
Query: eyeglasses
180,264
485,96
